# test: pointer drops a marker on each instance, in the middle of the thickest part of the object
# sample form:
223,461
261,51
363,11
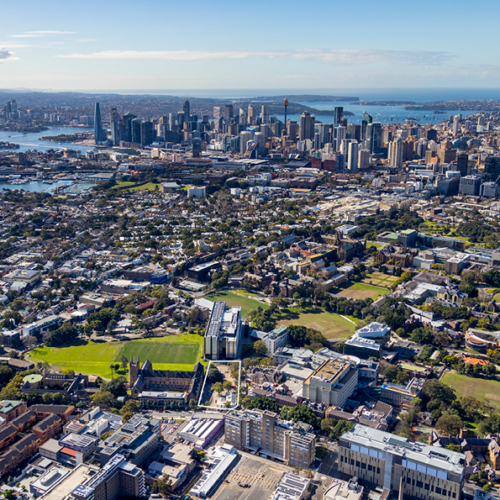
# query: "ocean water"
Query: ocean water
364,94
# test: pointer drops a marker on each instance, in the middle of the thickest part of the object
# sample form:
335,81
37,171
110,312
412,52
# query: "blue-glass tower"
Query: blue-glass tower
97,124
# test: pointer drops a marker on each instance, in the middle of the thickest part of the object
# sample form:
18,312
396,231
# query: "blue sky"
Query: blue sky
120,45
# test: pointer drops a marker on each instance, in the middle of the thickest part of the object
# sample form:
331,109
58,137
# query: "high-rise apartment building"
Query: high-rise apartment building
258,430
228,112
414,470
395,153
98,132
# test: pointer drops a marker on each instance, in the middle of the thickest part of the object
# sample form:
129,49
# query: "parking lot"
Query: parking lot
259,476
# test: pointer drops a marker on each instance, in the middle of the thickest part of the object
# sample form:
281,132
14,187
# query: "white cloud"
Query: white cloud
40,33
343,57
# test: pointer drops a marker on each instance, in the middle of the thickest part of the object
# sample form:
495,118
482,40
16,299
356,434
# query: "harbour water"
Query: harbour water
41,187
383,114
30,140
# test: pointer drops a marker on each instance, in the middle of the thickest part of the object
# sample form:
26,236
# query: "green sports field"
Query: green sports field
172,353
238,299
331,325
470,386
362,291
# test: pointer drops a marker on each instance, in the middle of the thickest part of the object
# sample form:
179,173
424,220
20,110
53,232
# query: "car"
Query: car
155,495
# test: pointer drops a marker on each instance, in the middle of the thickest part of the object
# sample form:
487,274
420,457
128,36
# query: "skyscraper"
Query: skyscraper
98,134
114,123
252,114
456,124
264,114
228,112
367,118
395,153
146,132
136,130
127,127
352,160
338,113
373,140
341,135
306,126
187,110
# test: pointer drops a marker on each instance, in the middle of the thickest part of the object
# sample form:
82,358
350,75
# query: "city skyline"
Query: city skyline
118,46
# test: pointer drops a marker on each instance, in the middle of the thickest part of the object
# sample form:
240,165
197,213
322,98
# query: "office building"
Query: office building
470,185
98,131
127,127
264,114
114,123
338,113
413,470
146,133
136,130
395,153
306,130
365,120
244,138
228,112
341,136
332,383
224,332
352,157
292,130
263,432
373,140
489,190
186,109
463,164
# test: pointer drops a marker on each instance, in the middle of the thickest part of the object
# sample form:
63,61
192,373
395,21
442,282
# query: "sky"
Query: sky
221,44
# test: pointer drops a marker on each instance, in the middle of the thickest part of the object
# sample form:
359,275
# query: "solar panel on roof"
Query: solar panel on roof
397,442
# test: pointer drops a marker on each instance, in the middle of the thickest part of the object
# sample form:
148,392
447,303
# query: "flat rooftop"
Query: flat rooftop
435,457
